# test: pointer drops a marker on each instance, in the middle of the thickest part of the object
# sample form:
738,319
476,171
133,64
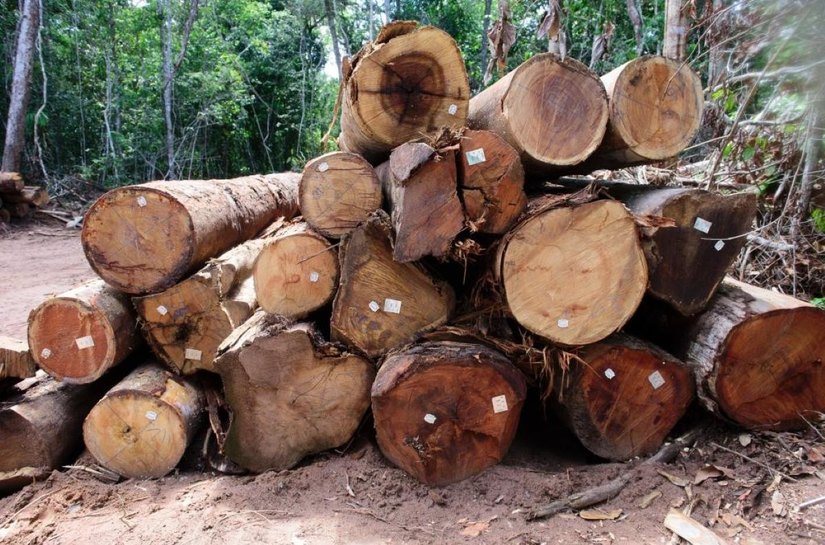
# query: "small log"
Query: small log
11,182
382,304
144,238
338,191
80,334
421,189
291,393
409,82
445,411
491,179
15,359
573,274
141,427
552,111
18,209
622,396
296,272
34,196
185,324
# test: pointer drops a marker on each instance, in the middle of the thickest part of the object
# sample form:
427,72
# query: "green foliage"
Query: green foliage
818,302
818,217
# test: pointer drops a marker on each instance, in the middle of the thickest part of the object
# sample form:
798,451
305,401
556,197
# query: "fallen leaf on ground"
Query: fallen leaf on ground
645,502
475,529
712,472
745,439
778,504
675,479
735,520
816,454
599,514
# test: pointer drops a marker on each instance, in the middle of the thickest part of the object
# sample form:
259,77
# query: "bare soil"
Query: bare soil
355,496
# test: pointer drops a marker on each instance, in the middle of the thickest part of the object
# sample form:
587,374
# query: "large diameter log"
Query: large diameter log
622,396
185,324
491,180
145,238
296,272
35,196
15,359
575,274
759,357
78,335
382,304
421,188
445,411
338,191
141,427
409,82
11,182
291,394
552,111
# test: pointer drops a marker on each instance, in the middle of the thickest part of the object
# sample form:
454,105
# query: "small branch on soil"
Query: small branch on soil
757,462
811,503
376,516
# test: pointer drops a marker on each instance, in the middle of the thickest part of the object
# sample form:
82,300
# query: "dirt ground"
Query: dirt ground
355,496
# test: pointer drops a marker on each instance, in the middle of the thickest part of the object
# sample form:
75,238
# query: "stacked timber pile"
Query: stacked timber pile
431,270
18,200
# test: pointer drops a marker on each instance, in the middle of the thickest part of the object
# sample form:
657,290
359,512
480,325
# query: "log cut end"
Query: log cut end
574,275
445,411
338,191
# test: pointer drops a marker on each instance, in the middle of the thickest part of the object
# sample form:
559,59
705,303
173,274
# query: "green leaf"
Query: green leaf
818,302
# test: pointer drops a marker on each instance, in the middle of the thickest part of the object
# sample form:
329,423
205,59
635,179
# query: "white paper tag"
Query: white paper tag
719,245
429,418
656,380
151,416
314,276
84,342
702,225
500,404
609,373
323,167
192,354
45,353
162,310
141,201
392,305
452,109
562,323
374,306
475,156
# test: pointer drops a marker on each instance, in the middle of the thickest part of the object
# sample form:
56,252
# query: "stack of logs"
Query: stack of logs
18,200
431,279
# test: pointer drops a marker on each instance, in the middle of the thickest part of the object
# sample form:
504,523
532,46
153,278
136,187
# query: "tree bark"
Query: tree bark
382,304
168,78
676,31
80,334
291,393
408,83
15,359
20,86
445,411
338,191
485,28
329,8
552,111
145,238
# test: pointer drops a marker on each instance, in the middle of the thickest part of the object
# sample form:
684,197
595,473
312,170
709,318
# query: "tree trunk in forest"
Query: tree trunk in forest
145,238
338,191
291,393
421,188
15,359
329,8
491,180
168,77
80,334
622,396
485,28
676,30
20,86
142,426
382,304
296,272
552,111
445,411
572,274
408,83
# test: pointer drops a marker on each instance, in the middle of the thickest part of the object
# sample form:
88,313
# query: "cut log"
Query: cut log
291,393
18,209
11,182
34,196
83,332
408,83
655,110
141,427
296,272
491,179
145,238
5,216
338,191
445,411
552,111
759,357
622,396
382,304
421,189
185,324
15,359
574,274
